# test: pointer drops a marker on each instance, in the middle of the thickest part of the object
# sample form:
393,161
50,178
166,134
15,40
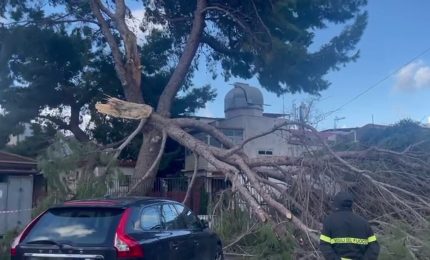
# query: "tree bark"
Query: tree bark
129,70
152,137
169,93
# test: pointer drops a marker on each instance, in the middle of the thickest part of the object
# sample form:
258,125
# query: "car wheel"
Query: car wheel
219,253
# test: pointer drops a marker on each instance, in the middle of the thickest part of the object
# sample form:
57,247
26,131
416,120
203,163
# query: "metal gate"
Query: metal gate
15,202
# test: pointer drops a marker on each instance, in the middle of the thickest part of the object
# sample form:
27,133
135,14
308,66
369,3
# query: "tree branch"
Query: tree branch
213,131
132,63
193,179
261,20
120,10
132,135
104,9
239,147
166,99
157,160
116,53
218,46
238,21
60,123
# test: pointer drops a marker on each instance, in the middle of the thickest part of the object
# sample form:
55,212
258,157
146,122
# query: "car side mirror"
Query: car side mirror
204,223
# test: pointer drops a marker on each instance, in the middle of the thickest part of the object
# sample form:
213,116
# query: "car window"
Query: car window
149,219
79,226
170,218
190,219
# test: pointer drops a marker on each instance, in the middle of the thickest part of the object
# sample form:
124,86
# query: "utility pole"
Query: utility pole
336,119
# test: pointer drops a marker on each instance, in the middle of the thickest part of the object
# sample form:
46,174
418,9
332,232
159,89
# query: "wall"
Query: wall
276,143
16,196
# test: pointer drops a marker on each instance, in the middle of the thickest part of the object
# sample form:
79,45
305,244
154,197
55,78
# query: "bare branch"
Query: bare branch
104,9
213,131
116,53
239,147
193,180
132,135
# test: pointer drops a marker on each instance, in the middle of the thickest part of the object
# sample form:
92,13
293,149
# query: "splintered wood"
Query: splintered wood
124,109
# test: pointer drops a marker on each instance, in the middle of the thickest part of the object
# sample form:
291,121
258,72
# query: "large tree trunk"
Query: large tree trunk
147,156
128,68
147,165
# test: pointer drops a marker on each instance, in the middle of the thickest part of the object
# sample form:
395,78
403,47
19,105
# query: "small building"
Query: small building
244,118
351,135
18,175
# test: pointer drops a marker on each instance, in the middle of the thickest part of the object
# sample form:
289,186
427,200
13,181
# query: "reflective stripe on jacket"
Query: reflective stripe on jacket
348,236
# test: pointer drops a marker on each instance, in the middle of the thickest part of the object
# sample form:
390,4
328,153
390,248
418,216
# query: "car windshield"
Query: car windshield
76,226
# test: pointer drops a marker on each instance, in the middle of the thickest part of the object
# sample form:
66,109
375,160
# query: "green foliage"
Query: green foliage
269,40
403,242
68,71
67,157
232,221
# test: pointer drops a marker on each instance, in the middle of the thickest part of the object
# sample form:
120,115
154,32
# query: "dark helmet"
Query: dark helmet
343,200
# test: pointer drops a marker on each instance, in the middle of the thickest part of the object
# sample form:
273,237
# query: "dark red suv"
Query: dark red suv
125,228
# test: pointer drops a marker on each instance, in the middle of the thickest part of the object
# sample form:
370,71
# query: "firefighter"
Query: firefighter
346,235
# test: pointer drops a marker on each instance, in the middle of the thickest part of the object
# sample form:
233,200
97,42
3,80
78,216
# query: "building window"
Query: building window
265,152
236,135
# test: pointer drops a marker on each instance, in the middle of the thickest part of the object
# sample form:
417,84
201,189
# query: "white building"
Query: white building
244,118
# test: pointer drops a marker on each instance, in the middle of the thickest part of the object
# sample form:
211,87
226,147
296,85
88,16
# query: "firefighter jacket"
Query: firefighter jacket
346,235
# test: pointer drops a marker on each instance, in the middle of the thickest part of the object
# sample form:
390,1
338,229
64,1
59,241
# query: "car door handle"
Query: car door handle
174,245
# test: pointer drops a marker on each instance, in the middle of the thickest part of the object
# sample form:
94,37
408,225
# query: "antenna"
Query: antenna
283,105
336,119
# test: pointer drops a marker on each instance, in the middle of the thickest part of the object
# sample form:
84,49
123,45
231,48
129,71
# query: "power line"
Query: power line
376,84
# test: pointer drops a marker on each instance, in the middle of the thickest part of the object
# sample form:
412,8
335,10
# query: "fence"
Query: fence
204,190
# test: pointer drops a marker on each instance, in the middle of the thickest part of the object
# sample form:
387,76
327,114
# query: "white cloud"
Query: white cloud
205,112
414,76
428,120
135,23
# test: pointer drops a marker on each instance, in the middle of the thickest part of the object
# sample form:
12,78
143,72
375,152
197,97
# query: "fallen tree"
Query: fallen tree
389,185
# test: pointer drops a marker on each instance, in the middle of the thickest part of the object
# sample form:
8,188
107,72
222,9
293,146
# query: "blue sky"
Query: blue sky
397,32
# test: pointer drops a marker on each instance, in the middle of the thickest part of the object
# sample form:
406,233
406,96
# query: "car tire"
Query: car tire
219,253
